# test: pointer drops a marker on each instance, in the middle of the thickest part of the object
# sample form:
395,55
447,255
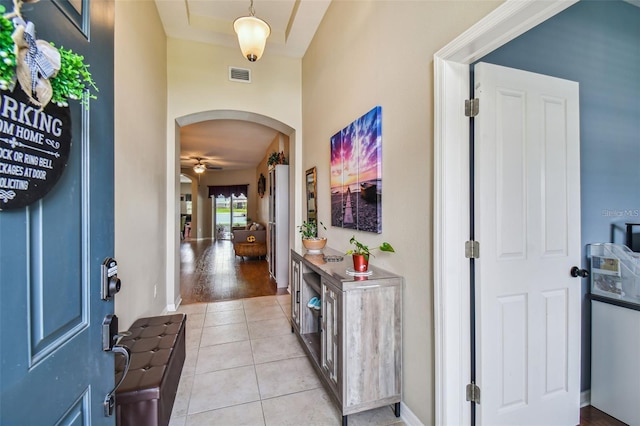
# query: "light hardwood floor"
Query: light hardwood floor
210,271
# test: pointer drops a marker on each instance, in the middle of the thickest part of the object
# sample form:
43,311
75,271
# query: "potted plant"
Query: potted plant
310,239
276,158
361,253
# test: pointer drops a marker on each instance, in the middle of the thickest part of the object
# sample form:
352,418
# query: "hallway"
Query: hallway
210,271
243,365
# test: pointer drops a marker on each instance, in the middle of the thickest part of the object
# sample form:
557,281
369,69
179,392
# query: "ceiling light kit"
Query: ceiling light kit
252,34
199,168
202,165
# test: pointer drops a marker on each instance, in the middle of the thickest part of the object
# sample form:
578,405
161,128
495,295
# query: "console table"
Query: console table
354,341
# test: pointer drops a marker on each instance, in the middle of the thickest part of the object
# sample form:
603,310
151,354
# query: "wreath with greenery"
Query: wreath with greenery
73,80
7,52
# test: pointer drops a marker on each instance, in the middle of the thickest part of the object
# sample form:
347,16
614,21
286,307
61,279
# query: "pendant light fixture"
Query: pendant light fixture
252,34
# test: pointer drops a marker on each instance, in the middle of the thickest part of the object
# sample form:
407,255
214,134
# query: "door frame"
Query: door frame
451,193
173,298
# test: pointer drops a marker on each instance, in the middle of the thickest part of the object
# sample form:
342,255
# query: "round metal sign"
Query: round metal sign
34,148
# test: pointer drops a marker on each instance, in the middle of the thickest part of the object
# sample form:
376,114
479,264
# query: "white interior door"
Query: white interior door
527,192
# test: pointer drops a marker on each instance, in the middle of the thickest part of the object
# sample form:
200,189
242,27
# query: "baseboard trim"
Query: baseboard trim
411,419
172,307
408,417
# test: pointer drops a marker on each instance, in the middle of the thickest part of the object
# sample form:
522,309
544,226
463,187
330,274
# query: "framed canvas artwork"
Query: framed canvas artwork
356,174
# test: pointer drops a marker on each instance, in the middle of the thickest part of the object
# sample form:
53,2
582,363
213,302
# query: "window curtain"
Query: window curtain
228,190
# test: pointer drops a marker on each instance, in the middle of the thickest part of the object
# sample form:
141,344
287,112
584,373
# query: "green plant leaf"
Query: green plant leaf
364,249
73,80
386,247
7,53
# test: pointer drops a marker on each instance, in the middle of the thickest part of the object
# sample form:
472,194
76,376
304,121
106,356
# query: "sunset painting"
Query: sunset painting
356,174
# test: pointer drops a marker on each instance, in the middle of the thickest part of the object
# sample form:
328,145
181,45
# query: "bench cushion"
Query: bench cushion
157,346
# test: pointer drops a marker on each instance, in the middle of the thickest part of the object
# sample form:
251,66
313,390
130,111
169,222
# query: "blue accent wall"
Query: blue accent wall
596,43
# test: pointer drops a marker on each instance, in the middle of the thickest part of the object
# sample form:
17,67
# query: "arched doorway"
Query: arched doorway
173,185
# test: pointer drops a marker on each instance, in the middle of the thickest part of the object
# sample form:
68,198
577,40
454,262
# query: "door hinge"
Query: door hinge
472,249
471,107
473,393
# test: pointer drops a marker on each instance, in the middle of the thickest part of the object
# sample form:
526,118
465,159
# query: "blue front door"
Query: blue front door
52,367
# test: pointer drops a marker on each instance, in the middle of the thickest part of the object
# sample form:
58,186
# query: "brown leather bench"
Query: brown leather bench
147,394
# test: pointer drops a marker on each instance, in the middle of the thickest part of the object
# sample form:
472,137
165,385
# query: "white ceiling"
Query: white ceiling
230,144
236,144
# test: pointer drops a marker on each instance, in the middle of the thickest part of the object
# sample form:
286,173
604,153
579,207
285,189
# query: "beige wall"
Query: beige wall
365,54
199,81
380,53
198,84
185,188
140,172
280,144
262,204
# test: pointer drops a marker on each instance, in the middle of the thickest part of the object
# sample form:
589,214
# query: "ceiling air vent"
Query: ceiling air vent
240,74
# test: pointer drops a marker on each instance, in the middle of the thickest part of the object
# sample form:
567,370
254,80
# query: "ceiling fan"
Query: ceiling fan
202,166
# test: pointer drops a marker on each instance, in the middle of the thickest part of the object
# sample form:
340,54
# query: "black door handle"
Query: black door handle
110,340
110,400
577,272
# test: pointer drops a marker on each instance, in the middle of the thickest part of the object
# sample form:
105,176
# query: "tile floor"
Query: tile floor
245,367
